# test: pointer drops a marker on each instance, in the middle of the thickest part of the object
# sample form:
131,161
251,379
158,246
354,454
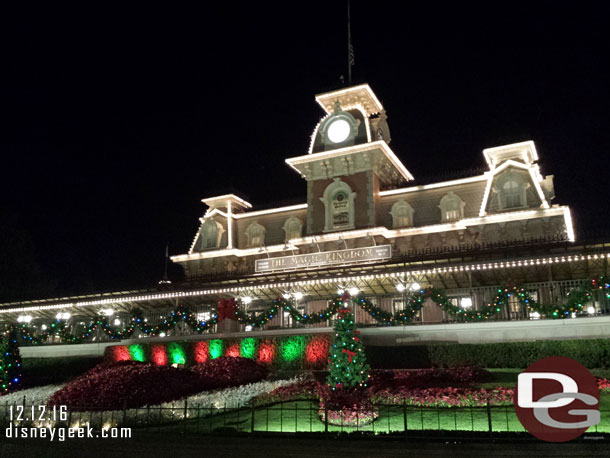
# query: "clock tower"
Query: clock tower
349,160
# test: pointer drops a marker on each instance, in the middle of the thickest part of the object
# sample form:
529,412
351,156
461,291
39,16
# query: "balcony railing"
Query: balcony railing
470,298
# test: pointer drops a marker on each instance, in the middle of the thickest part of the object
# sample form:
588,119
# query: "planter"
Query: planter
350,417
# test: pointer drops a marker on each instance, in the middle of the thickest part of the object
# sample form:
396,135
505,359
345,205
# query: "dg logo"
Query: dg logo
557,399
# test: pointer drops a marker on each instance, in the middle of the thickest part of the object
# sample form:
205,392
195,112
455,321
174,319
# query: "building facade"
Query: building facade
365,225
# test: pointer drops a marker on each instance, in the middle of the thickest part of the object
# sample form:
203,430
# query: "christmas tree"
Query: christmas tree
10,362
347,360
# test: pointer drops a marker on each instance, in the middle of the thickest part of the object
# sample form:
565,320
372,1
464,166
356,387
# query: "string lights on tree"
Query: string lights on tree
347,364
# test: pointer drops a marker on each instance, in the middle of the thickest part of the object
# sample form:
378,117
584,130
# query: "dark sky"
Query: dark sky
116,123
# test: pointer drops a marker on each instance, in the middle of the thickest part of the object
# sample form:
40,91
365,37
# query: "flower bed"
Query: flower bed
603,384
229,371
426,378
33,396
445,397
126,384
303,389
198,405
403,387
349,417
129,384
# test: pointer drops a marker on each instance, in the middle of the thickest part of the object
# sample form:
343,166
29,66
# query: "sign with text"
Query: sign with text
324,258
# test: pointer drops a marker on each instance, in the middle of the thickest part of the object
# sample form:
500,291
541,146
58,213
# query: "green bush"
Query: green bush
592,353
43,371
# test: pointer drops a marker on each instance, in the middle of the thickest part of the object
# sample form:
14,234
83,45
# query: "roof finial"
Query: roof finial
337,107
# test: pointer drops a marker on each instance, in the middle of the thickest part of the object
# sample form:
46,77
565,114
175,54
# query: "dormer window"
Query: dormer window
402,214
211,233
511,188
292,228
452,207
255,235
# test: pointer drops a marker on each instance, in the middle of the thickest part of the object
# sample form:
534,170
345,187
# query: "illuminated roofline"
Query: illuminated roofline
532,169
338,280
382,145
384,232
270,211
340,92
567,216
526,147
441,184
210,201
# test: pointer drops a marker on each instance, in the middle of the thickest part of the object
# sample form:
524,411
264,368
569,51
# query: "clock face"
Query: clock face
339,130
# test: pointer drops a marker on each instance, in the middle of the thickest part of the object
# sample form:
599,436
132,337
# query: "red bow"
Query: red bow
227,309
349,354
345,310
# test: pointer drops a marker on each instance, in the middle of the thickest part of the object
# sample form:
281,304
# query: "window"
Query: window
338,200
511,189
451,215
211,232
512,194
452,207
256,240
402,214
255,235
292,228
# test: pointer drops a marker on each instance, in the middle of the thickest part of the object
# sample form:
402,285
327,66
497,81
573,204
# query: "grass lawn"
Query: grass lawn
302,416
506,378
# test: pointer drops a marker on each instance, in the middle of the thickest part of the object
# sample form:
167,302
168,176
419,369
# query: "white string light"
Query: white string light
318,281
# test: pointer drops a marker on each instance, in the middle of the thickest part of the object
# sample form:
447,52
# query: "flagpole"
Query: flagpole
349,46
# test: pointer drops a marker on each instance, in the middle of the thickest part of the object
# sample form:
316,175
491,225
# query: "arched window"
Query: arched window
512,194
211,232
292,228
255,235
402,214
452,207
339,202
511,188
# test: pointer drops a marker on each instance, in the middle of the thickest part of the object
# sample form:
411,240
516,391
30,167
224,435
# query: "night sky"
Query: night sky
115,124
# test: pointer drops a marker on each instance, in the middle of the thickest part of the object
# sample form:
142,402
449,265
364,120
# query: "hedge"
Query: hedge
284,352
593,353
44,371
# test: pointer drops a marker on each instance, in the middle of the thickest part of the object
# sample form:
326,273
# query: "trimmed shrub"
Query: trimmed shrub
49,371
592,353
284,352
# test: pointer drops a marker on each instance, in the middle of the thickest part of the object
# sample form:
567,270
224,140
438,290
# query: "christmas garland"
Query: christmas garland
415,303
60,327
576,300
575,303
312,318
